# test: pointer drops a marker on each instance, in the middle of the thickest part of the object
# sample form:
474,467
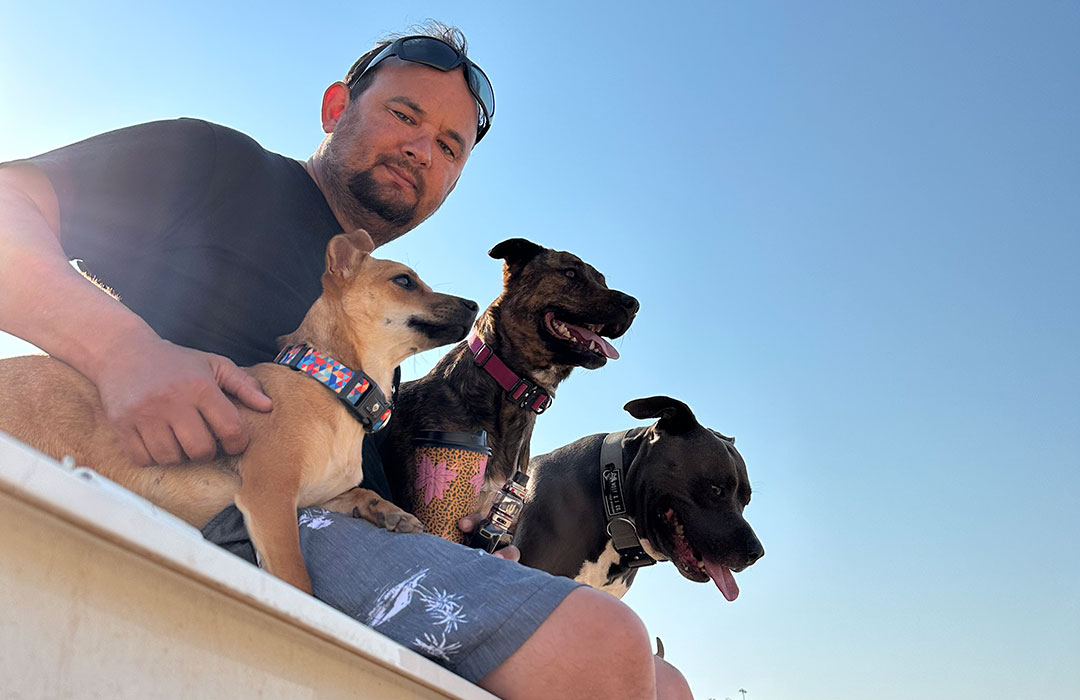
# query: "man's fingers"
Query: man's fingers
470,522
240,384
134,447
509,552
225,422
160,443
195,438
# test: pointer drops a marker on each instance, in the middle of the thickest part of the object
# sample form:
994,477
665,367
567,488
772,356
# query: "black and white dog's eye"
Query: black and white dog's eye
404,281
717,491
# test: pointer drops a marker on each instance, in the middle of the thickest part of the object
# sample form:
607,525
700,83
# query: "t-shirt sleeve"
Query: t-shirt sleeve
126,188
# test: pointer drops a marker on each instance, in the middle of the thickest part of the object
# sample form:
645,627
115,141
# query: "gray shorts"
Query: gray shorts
463,608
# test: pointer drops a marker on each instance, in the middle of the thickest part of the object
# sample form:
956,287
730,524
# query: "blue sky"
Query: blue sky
853,229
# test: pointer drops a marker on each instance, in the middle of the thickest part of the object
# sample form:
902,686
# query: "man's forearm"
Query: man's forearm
43,299
163,401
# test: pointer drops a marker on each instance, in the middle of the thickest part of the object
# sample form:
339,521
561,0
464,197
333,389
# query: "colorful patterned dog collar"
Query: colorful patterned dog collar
359,392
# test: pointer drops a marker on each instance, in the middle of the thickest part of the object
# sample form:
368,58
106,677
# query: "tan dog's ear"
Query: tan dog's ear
345,252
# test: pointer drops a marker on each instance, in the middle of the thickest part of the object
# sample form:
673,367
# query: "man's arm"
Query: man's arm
164,401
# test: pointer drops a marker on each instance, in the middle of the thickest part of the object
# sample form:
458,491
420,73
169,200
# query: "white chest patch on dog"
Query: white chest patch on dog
647,546
595,573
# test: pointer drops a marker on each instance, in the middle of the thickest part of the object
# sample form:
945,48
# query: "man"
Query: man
216,247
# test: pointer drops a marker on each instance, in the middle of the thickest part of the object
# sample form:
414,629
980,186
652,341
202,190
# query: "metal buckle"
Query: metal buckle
480,351
637,558
624,538
531,392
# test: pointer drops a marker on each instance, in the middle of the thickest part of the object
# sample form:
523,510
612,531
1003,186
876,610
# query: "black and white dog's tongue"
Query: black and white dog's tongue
723,578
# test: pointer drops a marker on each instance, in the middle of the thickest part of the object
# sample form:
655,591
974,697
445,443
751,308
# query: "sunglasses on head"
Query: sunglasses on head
436,53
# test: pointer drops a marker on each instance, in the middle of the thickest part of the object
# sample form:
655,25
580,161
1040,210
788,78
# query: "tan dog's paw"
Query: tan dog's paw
362,503
400,521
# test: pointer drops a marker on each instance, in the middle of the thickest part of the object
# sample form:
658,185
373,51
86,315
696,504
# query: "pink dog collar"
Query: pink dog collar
525,393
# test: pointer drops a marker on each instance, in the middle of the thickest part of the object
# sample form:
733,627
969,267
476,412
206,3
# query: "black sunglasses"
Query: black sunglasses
436,53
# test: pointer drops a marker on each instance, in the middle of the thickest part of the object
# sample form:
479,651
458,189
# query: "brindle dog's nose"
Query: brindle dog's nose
470,305
628,302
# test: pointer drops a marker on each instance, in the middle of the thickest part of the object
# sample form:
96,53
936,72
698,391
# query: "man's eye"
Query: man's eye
446,149
403,117
404,281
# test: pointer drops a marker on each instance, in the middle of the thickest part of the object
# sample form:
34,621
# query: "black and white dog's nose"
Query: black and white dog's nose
754,550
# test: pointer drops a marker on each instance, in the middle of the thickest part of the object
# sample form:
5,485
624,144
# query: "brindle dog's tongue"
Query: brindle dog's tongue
585,337
724,580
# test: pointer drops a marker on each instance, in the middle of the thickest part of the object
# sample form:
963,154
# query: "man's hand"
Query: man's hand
166,401
471,522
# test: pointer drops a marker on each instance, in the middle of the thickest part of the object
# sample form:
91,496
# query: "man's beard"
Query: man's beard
370,195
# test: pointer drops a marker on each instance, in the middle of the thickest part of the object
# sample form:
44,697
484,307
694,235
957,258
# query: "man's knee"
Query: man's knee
670,682
592,645
610,644
604,625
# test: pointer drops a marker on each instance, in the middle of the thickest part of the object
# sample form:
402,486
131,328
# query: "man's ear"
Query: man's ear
675,416
516,251
334,101
346,251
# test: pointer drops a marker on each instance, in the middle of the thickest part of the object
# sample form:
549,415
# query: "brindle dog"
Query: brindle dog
549,319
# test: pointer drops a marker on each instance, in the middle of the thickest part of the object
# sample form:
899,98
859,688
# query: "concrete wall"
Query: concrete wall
103,595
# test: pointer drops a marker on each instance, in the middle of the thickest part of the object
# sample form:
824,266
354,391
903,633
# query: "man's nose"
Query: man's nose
418,150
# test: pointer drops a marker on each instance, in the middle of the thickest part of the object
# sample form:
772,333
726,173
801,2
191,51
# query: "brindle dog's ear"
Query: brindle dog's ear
675,416
345,251
516,251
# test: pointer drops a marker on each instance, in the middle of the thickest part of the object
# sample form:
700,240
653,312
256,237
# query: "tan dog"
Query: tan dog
372,314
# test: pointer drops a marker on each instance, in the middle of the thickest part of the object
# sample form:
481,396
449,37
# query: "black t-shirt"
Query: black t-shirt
216,242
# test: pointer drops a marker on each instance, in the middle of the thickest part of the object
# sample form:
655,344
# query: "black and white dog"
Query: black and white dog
674,490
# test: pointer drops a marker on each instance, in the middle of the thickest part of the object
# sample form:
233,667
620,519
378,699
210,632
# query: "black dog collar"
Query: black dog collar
620,526
357,390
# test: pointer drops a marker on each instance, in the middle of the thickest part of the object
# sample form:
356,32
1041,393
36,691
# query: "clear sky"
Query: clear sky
853,229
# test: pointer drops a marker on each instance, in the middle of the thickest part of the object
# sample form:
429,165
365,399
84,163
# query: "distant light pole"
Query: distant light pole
743,691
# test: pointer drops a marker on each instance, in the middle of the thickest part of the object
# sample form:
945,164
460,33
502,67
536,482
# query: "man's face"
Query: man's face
401,144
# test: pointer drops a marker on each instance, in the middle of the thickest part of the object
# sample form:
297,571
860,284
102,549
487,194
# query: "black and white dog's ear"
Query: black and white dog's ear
675,416
516,251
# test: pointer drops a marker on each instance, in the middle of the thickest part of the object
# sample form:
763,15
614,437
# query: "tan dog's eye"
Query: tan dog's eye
570,273
404,281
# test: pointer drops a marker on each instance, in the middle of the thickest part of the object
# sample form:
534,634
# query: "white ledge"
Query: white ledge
104,595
